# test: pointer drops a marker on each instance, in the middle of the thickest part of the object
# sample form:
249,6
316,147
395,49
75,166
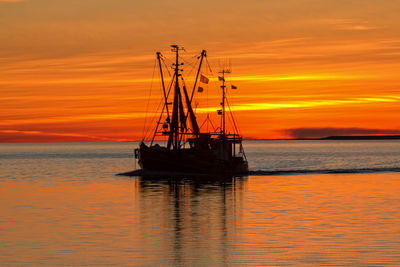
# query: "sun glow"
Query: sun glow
92,74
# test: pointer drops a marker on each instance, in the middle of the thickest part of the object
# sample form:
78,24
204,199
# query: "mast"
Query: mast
163,85
223,127
203,54
175,125
173,139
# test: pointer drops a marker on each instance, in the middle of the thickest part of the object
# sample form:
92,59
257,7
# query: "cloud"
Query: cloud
248,78
359,28
87,117
40,136
11,1
304,104
349,24
325,132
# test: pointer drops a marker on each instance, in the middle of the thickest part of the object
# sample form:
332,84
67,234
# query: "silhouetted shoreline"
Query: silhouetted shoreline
361,137
336,137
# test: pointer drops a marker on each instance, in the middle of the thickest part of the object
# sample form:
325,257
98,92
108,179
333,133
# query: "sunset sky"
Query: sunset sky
81,70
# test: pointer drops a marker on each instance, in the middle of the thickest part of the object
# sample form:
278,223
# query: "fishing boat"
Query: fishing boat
187,148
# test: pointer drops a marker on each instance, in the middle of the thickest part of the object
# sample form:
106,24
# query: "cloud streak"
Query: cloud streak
250,78
238,107
33,136
326,132
11,1
349,24
304,104
66,119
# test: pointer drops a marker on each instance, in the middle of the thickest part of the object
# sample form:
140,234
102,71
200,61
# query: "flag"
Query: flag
204,79
221,78
233,87
200,89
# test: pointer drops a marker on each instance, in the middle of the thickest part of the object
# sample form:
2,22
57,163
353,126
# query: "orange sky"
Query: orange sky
81,70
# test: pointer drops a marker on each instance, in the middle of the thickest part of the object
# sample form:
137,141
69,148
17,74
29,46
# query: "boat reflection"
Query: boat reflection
193,220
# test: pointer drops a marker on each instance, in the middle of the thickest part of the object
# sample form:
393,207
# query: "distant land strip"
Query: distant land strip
360,137
338,137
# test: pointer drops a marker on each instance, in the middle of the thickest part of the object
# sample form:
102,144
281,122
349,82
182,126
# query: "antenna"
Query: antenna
223,71
175,48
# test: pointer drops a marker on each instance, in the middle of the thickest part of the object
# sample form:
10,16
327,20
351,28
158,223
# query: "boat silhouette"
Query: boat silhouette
188,149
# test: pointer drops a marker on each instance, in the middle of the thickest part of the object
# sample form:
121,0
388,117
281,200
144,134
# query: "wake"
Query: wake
144,173
322,171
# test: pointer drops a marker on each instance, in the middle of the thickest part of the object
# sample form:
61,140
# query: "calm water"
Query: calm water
61,204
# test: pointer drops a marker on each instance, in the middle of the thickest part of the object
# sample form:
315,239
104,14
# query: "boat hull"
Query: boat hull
188,161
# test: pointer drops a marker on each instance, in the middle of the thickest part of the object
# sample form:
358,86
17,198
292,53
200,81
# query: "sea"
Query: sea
305,203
